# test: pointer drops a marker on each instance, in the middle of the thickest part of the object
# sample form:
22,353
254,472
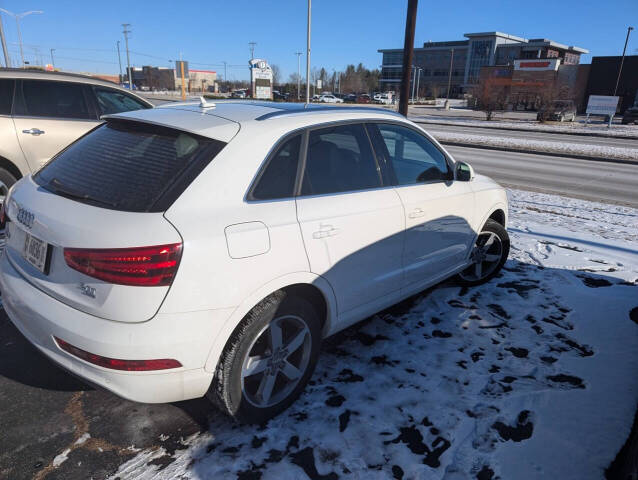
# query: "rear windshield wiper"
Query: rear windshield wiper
59,187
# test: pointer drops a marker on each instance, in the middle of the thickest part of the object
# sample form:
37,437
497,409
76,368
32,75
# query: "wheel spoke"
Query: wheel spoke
290,371
478,269
266,387
492,258
488,243
275,336
296,342
255,365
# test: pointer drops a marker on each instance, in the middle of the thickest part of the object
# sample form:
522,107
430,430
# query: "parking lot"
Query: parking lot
529,364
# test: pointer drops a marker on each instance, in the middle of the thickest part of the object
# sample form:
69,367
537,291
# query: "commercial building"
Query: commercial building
604,74
431,63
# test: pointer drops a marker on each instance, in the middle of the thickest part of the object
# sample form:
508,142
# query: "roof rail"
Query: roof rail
305,108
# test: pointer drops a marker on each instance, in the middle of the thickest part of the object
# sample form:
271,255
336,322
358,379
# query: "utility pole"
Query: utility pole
408,50
181,63
622,60
7,60
52,61
449,82
308,54
251,45
119,60
298,74
128,58
225,78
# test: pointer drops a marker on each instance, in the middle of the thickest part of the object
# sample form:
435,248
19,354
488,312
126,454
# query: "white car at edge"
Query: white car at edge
329,98
200,249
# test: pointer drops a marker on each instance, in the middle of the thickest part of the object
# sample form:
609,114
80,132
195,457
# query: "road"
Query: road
587,179
519,134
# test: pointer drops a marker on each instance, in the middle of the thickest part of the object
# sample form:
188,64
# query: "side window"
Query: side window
113,101
278,178
54,99
413,157
339,159
6,96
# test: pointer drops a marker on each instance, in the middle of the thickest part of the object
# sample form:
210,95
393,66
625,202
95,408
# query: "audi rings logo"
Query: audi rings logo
25,217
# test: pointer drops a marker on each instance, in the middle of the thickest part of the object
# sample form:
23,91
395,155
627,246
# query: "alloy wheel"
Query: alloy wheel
485,257
276,361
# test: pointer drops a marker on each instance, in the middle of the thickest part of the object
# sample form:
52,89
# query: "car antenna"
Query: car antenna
203,103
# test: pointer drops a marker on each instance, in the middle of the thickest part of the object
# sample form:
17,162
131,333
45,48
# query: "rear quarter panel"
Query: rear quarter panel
10,147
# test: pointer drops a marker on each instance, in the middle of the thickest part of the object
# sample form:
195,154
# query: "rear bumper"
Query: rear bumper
186,337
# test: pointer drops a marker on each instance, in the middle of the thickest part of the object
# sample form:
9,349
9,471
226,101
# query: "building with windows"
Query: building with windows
604,75
433,62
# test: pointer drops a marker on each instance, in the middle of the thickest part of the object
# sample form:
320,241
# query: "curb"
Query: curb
541,152
535,130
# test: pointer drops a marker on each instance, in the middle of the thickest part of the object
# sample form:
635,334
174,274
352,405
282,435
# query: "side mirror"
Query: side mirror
464,172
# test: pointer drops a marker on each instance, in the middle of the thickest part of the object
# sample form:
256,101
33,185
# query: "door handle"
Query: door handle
325,231
416,213
33,131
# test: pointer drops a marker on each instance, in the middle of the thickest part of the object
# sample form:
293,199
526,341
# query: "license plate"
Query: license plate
35,252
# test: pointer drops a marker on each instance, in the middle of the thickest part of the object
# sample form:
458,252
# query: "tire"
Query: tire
236,391
7,179
471,276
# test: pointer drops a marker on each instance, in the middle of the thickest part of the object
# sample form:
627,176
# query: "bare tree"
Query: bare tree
276,74
489,97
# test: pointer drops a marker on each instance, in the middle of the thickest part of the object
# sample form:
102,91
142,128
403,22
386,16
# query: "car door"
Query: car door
49,115
352,225
438,210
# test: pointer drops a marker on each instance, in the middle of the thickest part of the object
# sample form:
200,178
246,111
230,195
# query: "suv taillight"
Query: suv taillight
139,266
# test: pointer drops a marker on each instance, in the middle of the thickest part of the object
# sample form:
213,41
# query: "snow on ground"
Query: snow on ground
600,151
532,375
566,127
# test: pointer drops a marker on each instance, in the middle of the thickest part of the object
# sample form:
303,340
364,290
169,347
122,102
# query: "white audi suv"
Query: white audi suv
207,249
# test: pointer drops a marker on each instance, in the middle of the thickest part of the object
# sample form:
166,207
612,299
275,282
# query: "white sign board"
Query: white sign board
261,79
602,105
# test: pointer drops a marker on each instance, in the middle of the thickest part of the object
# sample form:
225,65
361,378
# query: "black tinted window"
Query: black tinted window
414,158
54,99
113,101
339,160
6,96
278,178
129,166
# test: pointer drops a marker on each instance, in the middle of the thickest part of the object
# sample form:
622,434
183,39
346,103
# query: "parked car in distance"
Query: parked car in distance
329,98
239,94
350,98
383,98
277,95
559,111
630,115
199,249
42,112
363,98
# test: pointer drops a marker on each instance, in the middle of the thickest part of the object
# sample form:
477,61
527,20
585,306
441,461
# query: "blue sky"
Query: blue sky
84,33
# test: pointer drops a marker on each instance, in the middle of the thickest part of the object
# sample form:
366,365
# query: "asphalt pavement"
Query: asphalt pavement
532,135
586,179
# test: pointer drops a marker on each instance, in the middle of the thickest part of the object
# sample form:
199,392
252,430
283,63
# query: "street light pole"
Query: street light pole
413,81
52,61
418,80
251,45
19,16
119,60
128,58
308,54
449,82
622,60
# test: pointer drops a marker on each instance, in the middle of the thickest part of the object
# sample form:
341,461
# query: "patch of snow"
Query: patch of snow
602,151
567,127
532,375
60,459
82,439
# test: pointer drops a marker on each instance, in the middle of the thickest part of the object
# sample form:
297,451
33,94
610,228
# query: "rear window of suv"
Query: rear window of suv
129,166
